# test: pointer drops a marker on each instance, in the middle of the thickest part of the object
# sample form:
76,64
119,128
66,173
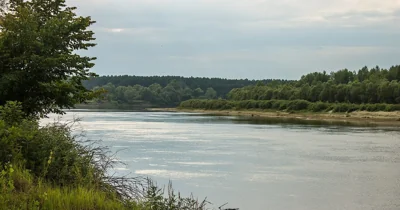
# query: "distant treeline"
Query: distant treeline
170,95
285,105
221,86
363,86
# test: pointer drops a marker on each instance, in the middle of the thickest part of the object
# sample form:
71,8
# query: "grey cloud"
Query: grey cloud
210,40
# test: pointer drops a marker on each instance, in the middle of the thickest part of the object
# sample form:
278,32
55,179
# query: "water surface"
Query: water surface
255,164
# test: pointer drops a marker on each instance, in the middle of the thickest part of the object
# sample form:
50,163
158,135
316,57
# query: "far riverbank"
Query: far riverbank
357,117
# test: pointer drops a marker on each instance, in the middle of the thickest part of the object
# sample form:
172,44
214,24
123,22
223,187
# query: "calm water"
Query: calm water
255,164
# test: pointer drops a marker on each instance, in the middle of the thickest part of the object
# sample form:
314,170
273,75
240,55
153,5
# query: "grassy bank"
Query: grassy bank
372,114
53,167
21,190
354,118
286,105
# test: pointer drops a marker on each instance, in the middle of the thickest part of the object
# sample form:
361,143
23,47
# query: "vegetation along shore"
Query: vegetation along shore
354,118
374,114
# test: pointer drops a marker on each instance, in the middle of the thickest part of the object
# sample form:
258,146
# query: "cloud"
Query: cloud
236,38
115,30
284,11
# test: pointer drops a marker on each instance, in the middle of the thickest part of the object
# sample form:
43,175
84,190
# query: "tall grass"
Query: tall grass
50,168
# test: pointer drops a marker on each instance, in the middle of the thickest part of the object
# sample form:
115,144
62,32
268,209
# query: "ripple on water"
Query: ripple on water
173,174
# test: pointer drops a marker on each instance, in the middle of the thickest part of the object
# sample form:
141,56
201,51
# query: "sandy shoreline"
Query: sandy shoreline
358,117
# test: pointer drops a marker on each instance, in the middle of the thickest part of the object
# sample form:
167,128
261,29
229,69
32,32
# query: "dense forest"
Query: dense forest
166,90
373,89
222,86
370,86
374,85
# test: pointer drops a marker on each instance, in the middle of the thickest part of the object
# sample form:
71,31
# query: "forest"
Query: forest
166,91
373,85
222,86
373,89
365,86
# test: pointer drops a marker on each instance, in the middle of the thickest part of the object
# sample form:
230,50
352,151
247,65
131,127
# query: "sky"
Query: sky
255,39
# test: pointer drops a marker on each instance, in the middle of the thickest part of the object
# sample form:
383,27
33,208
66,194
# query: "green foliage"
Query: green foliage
12,113
210,93
39,65
318,106
6,180
158,199
49,152
284,105
46,167
221,86
298,105
18,191
170,95
367,86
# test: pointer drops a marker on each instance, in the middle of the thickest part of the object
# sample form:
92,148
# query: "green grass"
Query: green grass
40,197
50,168
20,190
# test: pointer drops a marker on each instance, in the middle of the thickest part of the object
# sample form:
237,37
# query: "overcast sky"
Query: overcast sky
253,39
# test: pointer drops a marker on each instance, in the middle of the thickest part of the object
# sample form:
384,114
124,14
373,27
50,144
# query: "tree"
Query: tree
210,93
343,76
198,92
119,93
155,88
39,64
130,94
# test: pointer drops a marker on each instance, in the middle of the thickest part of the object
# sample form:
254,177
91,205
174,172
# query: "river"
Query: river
255,165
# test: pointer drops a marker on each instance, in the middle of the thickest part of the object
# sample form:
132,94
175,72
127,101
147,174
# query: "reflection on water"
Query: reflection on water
254,163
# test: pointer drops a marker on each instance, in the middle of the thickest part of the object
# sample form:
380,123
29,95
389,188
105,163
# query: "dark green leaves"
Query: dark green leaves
39,64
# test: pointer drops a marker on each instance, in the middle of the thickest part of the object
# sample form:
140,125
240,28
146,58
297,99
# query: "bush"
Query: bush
49,168
318,106
298,105
371,107
275,104
363,107
265,104
282,105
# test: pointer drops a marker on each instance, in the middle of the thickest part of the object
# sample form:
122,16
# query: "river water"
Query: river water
255,164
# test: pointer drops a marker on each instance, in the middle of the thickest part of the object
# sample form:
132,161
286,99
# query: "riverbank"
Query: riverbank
115,105
358,117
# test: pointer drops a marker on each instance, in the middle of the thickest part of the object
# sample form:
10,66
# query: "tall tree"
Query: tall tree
39,64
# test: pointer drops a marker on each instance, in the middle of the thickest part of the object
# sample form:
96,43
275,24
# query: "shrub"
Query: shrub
371,107
318,106
363,107
275,104
298,105
265,104
283,105
342,107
